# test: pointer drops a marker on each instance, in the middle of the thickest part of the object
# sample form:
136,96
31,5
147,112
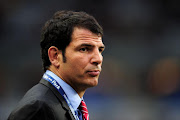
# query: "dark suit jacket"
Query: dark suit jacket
42,102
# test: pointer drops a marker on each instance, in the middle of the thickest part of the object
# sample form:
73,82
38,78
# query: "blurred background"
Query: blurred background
141,70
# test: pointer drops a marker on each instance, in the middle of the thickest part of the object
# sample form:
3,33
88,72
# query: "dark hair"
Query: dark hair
58,30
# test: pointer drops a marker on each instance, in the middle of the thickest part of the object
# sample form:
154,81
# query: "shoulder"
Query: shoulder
33,110
39,92
36,104
40,102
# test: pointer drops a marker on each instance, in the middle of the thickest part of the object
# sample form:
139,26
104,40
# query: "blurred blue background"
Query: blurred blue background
141,71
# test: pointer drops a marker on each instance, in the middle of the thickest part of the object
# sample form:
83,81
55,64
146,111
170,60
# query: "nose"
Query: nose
97,58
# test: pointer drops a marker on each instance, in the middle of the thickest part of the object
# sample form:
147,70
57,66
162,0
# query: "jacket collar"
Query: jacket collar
58,95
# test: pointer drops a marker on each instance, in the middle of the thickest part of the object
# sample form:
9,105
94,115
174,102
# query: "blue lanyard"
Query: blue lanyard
61,91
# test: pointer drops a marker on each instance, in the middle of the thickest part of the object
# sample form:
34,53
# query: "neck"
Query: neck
80,92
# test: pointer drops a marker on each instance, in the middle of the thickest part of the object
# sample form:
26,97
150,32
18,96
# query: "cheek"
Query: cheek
80,63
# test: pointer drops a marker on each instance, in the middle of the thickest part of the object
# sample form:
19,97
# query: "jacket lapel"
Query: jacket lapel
59,96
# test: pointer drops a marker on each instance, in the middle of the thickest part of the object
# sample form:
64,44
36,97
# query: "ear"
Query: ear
55,56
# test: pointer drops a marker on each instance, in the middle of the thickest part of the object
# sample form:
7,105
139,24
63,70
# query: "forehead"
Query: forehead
82,35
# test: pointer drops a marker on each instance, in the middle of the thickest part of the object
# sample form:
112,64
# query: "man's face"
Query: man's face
83,59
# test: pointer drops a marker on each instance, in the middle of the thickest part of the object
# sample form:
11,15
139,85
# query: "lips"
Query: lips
94,73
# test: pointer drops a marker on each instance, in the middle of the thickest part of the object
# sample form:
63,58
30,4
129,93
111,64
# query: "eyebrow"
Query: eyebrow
89,45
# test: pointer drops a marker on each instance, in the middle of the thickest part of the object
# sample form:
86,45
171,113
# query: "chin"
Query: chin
93,83
90,82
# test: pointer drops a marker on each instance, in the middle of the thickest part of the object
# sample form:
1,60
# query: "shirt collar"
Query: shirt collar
72,95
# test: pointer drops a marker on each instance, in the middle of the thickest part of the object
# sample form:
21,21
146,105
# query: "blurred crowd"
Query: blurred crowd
141,69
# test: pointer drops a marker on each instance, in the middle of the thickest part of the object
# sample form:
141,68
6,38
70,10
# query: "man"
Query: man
71,49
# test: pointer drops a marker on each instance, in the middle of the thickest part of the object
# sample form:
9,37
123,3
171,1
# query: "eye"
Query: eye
84,49
101,50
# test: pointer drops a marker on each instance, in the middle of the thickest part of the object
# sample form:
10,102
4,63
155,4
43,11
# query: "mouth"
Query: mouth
94,73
